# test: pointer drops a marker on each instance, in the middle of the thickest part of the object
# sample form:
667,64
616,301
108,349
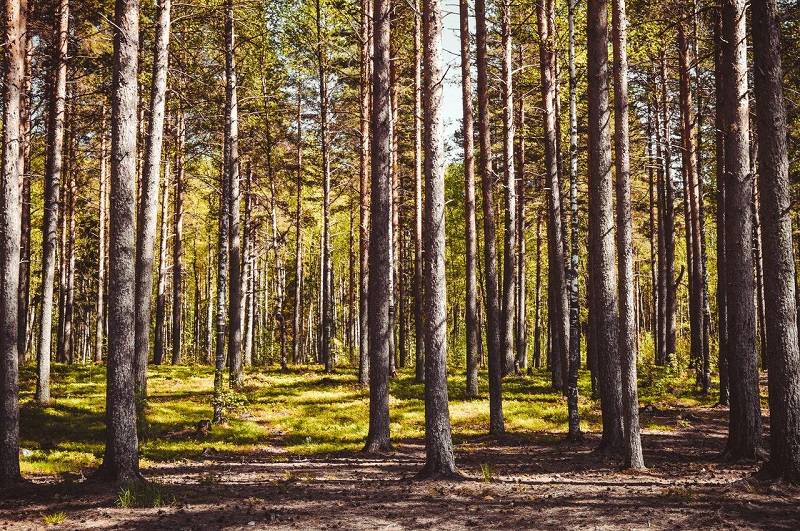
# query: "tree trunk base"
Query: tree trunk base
378,447
433,473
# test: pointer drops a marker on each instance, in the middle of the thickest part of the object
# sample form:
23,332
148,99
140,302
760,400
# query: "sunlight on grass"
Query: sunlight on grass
301,411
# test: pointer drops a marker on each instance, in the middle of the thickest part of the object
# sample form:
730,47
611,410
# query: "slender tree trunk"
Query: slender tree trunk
161,289
364,208
52,192
744,430
758,259
177,244
783,358
627,310
537,303
560,316
491,298
419,363
380,236
669,225
101,256
326,309
24,168
121,459
722,282
469,204
69,258
232,175
521,334
222,286
298,235
601,230
148,205
10,228
439,458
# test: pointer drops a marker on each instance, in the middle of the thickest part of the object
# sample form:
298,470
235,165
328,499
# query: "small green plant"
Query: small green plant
486,470
142,494
230,403
54,519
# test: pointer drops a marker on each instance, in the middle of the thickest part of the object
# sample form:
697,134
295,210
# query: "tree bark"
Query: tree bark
121,459
101,255
10,230
364,208
418,283
298,235
161,289
439,458
670,284
469,203
52,192
24,169
744,429
380,236
177,244
783,358
491,298
627,309
601,230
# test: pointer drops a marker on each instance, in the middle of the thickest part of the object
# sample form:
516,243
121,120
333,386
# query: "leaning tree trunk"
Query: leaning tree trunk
380,236
744,429
779,269
469,204
52,192
148,204
627,309
121,459
11,229
491,298
601,230
439,458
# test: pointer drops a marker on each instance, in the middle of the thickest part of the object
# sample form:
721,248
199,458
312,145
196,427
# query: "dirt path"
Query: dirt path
535,484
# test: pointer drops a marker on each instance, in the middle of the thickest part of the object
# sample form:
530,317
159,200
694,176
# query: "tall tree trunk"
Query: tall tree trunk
670,284
722,282
380,236
627,310
177,244
439,458
326,274
364,178
220,313
69,256
744,429
148,205
510,192
779,269
298,235
101,255
10,228
560,316
419,362
161,289
521,321
537,303
52,192
121,459
24,169
492,296
469,204
601,230
758,259
232,175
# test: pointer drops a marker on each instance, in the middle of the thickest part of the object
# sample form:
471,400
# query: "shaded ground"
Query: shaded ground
519,482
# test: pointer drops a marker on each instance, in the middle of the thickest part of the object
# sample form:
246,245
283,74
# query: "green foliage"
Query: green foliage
486,471
54,518
143,494
230,403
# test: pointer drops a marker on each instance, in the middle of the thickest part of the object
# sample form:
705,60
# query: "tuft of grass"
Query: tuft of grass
142,494
486,470
54,518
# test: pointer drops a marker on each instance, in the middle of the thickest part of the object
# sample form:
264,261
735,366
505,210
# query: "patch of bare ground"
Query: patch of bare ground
522,481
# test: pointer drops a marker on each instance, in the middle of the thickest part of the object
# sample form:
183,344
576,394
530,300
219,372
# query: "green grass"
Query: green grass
54,518
143,494
301,411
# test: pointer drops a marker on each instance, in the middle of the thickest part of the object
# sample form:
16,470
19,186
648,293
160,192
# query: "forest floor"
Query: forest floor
289,458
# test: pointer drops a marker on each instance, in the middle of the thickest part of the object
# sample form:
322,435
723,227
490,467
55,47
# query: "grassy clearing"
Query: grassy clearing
301,411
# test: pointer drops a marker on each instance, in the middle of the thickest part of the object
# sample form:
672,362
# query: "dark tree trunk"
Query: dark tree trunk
779,268
24,169
439,458
627,309
601,230
52,192
537,303
121,459
491,298
10,228
380,236
744,430
419,364
469,204
177,244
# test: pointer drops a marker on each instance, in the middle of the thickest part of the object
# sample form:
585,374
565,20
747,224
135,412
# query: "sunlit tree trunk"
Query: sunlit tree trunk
177,244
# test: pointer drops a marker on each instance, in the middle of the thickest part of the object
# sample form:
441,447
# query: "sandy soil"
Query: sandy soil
535,484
